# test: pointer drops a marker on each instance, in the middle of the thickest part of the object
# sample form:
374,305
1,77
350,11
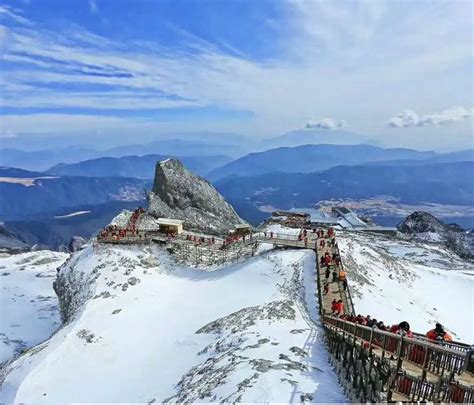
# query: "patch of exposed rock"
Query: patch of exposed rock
180,194
427,228
76,243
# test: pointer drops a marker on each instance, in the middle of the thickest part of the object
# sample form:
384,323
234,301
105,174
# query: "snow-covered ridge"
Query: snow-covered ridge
245,332
422,283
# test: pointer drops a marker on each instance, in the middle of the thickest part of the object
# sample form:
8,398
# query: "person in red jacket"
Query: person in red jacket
327,259
403,328
339,307
439,334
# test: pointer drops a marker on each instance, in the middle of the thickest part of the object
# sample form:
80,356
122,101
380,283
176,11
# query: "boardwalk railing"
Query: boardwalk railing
429,355
420,370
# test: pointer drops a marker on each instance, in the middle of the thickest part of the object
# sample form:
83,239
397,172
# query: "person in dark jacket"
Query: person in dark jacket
326,288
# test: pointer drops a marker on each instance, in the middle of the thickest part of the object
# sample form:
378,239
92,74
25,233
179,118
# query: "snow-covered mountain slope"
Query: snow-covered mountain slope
142,328
28,305
421,283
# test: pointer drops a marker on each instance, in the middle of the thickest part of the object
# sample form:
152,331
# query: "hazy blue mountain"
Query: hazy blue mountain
310,158
452,157
135,166
40,160
18,173
91,141
179,147
314,136
19,201
443,183
43,228
459,156
34,156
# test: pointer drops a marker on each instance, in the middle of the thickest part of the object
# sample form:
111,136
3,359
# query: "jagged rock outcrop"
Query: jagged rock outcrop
76,243
11,242
426,227
420,222
180,194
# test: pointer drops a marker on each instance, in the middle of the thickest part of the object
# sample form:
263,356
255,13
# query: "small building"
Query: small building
168,225
242,229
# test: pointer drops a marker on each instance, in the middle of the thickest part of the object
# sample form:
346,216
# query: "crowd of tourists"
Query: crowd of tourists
437,334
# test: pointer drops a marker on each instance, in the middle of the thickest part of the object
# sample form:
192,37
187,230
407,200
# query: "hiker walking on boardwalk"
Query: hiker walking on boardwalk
328,273
339,307
403,328
327,259
326,288
439,334
322,261
333,306
334,276
344,284
322,243
342,275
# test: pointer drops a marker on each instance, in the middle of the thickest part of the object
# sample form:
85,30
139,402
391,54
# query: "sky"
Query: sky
398,72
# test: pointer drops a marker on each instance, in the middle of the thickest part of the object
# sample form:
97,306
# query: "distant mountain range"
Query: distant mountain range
135,166
55,229
443,183
29,194
311,158
313,137
198,155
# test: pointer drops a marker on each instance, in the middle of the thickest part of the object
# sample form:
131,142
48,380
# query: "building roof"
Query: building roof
242,226
169,221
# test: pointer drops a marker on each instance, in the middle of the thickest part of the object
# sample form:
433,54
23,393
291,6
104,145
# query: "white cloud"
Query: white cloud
410,118
340,60
13,14
325,123
93,6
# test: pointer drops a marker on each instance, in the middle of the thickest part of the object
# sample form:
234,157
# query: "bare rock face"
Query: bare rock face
76,243
180,194
425,227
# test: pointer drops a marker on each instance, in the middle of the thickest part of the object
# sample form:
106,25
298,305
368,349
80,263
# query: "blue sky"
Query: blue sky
400,72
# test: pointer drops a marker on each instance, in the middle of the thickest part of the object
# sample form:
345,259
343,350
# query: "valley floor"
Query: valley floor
144,329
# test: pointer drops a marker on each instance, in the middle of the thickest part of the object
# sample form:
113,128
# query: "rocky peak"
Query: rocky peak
76,243
178,193
425,227
420,222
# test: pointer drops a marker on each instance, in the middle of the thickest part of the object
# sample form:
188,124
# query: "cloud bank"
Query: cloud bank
409,118
339,61
325,123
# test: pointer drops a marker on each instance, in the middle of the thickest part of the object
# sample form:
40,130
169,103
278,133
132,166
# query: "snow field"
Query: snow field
421,283
137,330
28,304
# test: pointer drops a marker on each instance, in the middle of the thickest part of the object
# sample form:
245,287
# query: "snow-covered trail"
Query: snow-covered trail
151,326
